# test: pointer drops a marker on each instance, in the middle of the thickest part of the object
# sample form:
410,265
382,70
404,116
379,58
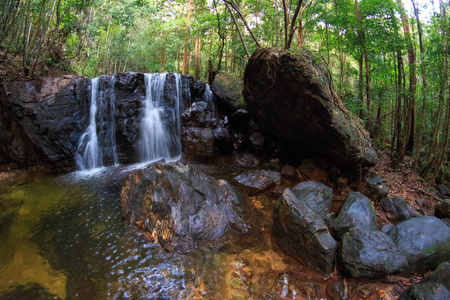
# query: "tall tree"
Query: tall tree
185,55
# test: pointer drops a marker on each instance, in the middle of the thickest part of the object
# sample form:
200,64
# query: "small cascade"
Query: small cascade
209,99
160,125
89,153
112,132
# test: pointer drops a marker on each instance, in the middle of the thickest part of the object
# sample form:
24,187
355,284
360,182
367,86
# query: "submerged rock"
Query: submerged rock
257,181
370,254
425,241
357,212
302,233
290,97
178,206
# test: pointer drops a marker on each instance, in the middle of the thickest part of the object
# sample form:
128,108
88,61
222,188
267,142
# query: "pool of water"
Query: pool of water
62,237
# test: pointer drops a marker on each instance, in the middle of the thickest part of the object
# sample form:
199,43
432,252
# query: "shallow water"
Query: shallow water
63,237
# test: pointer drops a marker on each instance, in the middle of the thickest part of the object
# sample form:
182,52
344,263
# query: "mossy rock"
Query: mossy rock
227,88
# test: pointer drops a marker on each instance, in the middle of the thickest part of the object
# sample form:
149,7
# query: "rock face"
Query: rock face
228,90
179,206
42,121
425,241
302,233
316,195
290,97
197,135
357,212
370,254
434,287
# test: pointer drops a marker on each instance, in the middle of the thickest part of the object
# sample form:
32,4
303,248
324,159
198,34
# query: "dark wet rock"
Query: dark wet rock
310,116
224,142
370,254
442,211
357,212
248,161
341,182
425,241
179,206
257,140
338,291
375,187
309,169
197,137
41,122
288,171
317,196
397,209
29,291
228,89
303,234
257,181
420,202
240,120
443,189
434,287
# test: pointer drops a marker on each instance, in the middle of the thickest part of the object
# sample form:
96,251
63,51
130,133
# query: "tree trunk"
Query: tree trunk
421,127
186,37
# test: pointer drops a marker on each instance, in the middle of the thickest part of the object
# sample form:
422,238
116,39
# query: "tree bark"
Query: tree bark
186,37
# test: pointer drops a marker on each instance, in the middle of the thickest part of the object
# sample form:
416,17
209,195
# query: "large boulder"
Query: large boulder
290,97
434,287
227,88
179,206
425,241
370,254
397,209
316,195
357,212
302,233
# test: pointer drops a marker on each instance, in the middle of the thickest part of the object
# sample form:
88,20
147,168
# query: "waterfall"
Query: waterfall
208,98
89,153
160,124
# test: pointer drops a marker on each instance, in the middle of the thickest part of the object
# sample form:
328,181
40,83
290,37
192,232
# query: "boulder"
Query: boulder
288,171
290,97
317,196
248,161
179,206
257,140
375,187
425,241
442,211
227,88
443,189
223,140
357,212
257,181
370,254
302,233
197,137
397,209
434,287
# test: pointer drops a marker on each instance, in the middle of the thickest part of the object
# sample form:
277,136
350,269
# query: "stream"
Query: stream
62,237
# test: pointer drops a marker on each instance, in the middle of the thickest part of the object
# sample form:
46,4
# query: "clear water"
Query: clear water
63,236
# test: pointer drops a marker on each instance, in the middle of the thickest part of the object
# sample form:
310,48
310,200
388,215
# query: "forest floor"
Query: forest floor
11,68
405,182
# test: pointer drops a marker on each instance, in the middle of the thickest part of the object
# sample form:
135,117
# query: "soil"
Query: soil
11,69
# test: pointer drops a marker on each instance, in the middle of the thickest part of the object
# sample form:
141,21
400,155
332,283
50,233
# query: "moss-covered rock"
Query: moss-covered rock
227,88
290,97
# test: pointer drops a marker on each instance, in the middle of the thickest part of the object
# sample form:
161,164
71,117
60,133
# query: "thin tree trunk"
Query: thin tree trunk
186,37
420,129
239,31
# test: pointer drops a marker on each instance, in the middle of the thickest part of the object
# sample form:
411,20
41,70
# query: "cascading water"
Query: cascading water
208,98
160,125
112,133
89,153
